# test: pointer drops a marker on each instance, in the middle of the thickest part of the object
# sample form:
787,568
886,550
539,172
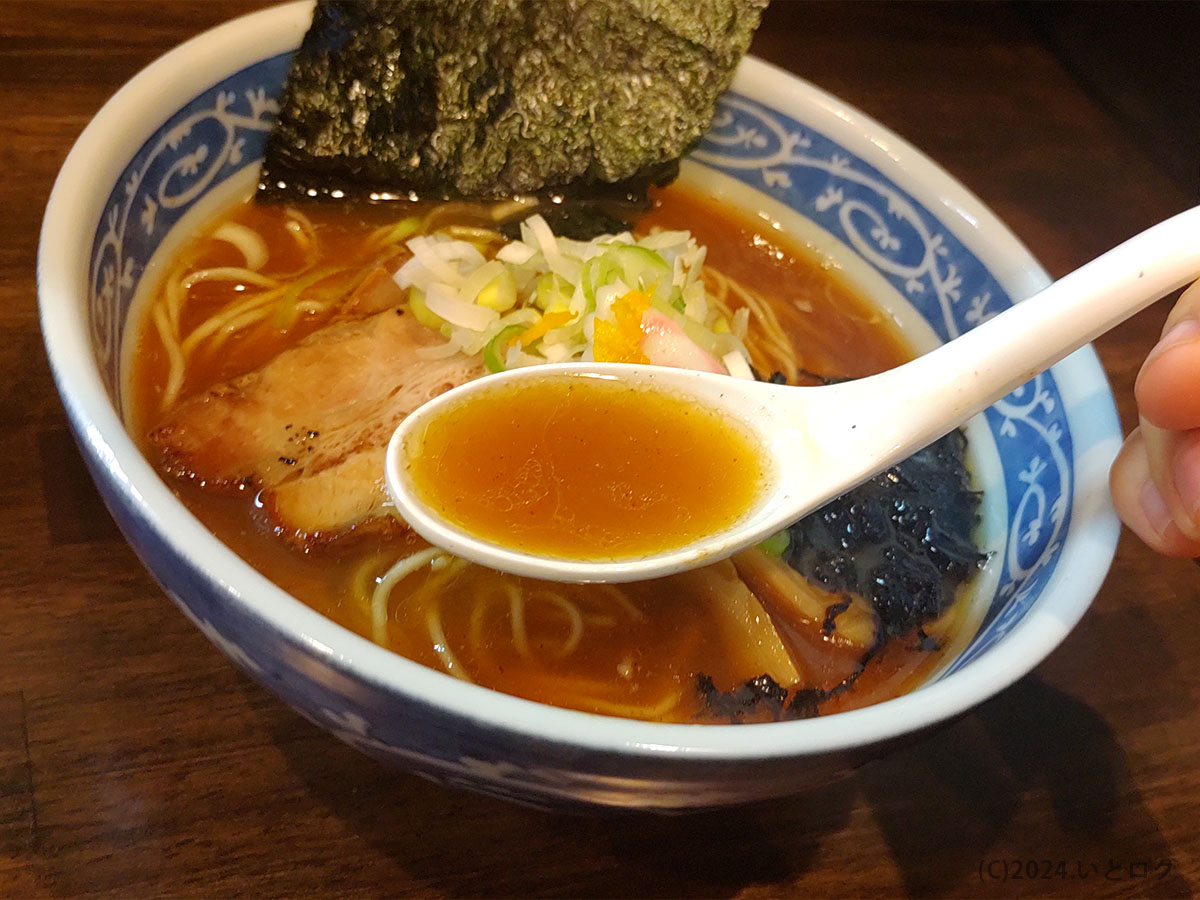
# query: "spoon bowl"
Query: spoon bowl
819,442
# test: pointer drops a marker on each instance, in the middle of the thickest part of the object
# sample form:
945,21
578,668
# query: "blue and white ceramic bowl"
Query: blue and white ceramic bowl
176,135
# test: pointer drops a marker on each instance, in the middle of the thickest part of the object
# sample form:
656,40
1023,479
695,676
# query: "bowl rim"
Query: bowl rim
143,103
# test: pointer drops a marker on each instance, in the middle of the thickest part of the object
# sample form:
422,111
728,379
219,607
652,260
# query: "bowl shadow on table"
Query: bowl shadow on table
944,800
1034,774
420,824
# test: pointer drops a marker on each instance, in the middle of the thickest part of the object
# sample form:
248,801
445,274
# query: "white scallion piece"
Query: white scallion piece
564,267
544,237
737,366
516,253
459,251
474,341
660,240
524,316
679,273
559,336
475,282
512,356
556,353
413,273
693,262
741,321
426,252
606,294
442,300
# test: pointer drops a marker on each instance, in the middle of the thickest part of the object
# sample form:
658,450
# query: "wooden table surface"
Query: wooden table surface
136,762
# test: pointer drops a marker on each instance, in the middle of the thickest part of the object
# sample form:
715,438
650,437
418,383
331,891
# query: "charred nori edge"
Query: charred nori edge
478,99
761,697
582,220
765,699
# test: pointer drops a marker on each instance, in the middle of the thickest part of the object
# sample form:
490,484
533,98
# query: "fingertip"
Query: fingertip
1166,387
1141,506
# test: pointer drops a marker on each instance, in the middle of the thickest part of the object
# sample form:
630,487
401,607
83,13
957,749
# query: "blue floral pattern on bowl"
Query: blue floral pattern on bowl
205,142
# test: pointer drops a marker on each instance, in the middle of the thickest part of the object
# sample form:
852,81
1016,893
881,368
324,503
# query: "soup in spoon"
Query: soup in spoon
585,468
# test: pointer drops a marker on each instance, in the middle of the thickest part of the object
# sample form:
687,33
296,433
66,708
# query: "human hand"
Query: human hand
1155,479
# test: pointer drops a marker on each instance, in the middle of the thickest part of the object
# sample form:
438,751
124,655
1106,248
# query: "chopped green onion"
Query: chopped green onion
597,271
493,353
416,302
552,293
401,230
776,544
641,268
286,309
560,288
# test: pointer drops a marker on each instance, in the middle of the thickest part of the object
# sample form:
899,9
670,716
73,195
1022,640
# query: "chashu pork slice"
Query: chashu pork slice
308,428
317,507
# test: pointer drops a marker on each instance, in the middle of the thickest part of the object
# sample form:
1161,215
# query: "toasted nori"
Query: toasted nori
903,540
760,698
484,99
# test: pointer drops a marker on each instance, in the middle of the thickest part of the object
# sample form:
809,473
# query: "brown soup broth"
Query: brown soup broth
585,468
633,650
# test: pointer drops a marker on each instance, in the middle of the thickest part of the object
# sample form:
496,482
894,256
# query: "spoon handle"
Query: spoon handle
874,422
1009,349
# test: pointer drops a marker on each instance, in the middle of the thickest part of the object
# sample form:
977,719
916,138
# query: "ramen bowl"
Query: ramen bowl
164,151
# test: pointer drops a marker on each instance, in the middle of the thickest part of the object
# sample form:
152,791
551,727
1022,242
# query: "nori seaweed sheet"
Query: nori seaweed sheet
903,540
485,99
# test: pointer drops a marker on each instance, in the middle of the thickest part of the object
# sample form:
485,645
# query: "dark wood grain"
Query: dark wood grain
134,761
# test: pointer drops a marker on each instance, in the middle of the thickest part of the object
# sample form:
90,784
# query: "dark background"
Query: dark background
1140,61
136,762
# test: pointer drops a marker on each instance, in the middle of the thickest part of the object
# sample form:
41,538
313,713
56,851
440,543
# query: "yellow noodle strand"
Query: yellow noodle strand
174,358
770,348
301,228
516,607
229,273
176,296
652,712
225,319
395,574
359,579
574,618
433,621
616,594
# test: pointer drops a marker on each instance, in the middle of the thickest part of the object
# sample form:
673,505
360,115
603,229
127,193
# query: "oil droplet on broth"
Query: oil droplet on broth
578,467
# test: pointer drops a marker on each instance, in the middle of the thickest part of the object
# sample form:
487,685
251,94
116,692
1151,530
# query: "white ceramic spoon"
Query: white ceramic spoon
823,441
